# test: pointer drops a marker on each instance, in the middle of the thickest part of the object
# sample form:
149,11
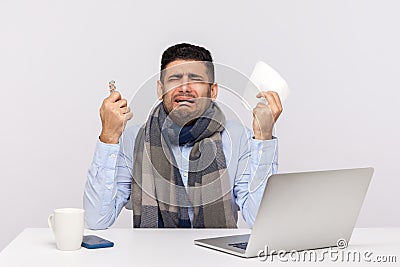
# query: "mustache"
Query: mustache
184,95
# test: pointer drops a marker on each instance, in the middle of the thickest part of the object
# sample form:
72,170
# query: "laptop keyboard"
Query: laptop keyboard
242,245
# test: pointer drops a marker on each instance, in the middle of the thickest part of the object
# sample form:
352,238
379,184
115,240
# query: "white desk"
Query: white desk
169,247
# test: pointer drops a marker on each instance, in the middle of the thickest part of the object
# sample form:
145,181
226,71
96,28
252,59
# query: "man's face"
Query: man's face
186,90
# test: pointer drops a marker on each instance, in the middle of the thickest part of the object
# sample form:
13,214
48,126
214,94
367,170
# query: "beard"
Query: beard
188,114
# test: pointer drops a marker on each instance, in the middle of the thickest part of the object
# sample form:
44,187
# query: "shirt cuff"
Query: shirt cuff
105,155
263,151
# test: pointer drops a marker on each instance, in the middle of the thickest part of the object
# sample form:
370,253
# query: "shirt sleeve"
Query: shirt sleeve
258,160
108,186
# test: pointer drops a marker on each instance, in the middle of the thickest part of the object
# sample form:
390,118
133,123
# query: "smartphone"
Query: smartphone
92,242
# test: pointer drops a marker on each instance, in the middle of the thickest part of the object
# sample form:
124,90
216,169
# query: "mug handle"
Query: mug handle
50,221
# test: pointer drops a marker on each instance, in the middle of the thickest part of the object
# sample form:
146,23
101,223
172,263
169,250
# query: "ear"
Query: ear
159,90
214,91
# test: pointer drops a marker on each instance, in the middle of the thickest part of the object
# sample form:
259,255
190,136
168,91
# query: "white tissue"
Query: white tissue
264,78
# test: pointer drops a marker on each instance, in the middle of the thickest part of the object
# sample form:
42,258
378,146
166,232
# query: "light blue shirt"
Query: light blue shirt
108,187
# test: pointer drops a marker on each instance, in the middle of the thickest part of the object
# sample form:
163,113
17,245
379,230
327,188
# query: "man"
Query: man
187,166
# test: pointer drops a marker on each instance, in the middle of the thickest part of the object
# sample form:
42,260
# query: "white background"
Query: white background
340,59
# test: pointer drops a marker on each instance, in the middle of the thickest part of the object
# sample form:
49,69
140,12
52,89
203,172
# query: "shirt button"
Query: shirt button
260,152
185,174
113,156
109,187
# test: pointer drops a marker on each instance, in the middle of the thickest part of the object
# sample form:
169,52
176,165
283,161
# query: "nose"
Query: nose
185,87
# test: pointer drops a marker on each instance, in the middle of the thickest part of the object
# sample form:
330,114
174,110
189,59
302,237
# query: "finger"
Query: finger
262,94
279,110
271,100
278,105
275,108
122,103
277,100
125,110
114,96
128,116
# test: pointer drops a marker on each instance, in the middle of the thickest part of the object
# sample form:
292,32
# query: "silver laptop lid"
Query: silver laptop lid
309,210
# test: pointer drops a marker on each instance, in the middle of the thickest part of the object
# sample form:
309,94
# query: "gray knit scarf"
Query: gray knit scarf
159,197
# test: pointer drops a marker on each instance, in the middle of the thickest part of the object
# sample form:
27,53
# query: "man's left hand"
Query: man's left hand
265,116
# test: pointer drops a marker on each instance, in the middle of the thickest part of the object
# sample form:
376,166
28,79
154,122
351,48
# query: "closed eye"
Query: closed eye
175,77
195,77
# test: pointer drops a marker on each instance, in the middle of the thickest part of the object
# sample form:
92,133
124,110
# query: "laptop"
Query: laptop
300,211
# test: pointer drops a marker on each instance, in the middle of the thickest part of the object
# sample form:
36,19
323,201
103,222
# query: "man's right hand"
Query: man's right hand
114,114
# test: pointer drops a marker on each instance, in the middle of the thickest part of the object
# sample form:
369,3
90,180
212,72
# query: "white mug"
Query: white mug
67,225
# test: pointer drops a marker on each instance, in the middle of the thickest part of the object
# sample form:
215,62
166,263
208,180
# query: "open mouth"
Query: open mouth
184,100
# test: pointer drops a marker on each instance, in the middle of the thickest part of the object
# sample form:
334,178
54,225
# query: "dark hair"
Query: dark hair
187,51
